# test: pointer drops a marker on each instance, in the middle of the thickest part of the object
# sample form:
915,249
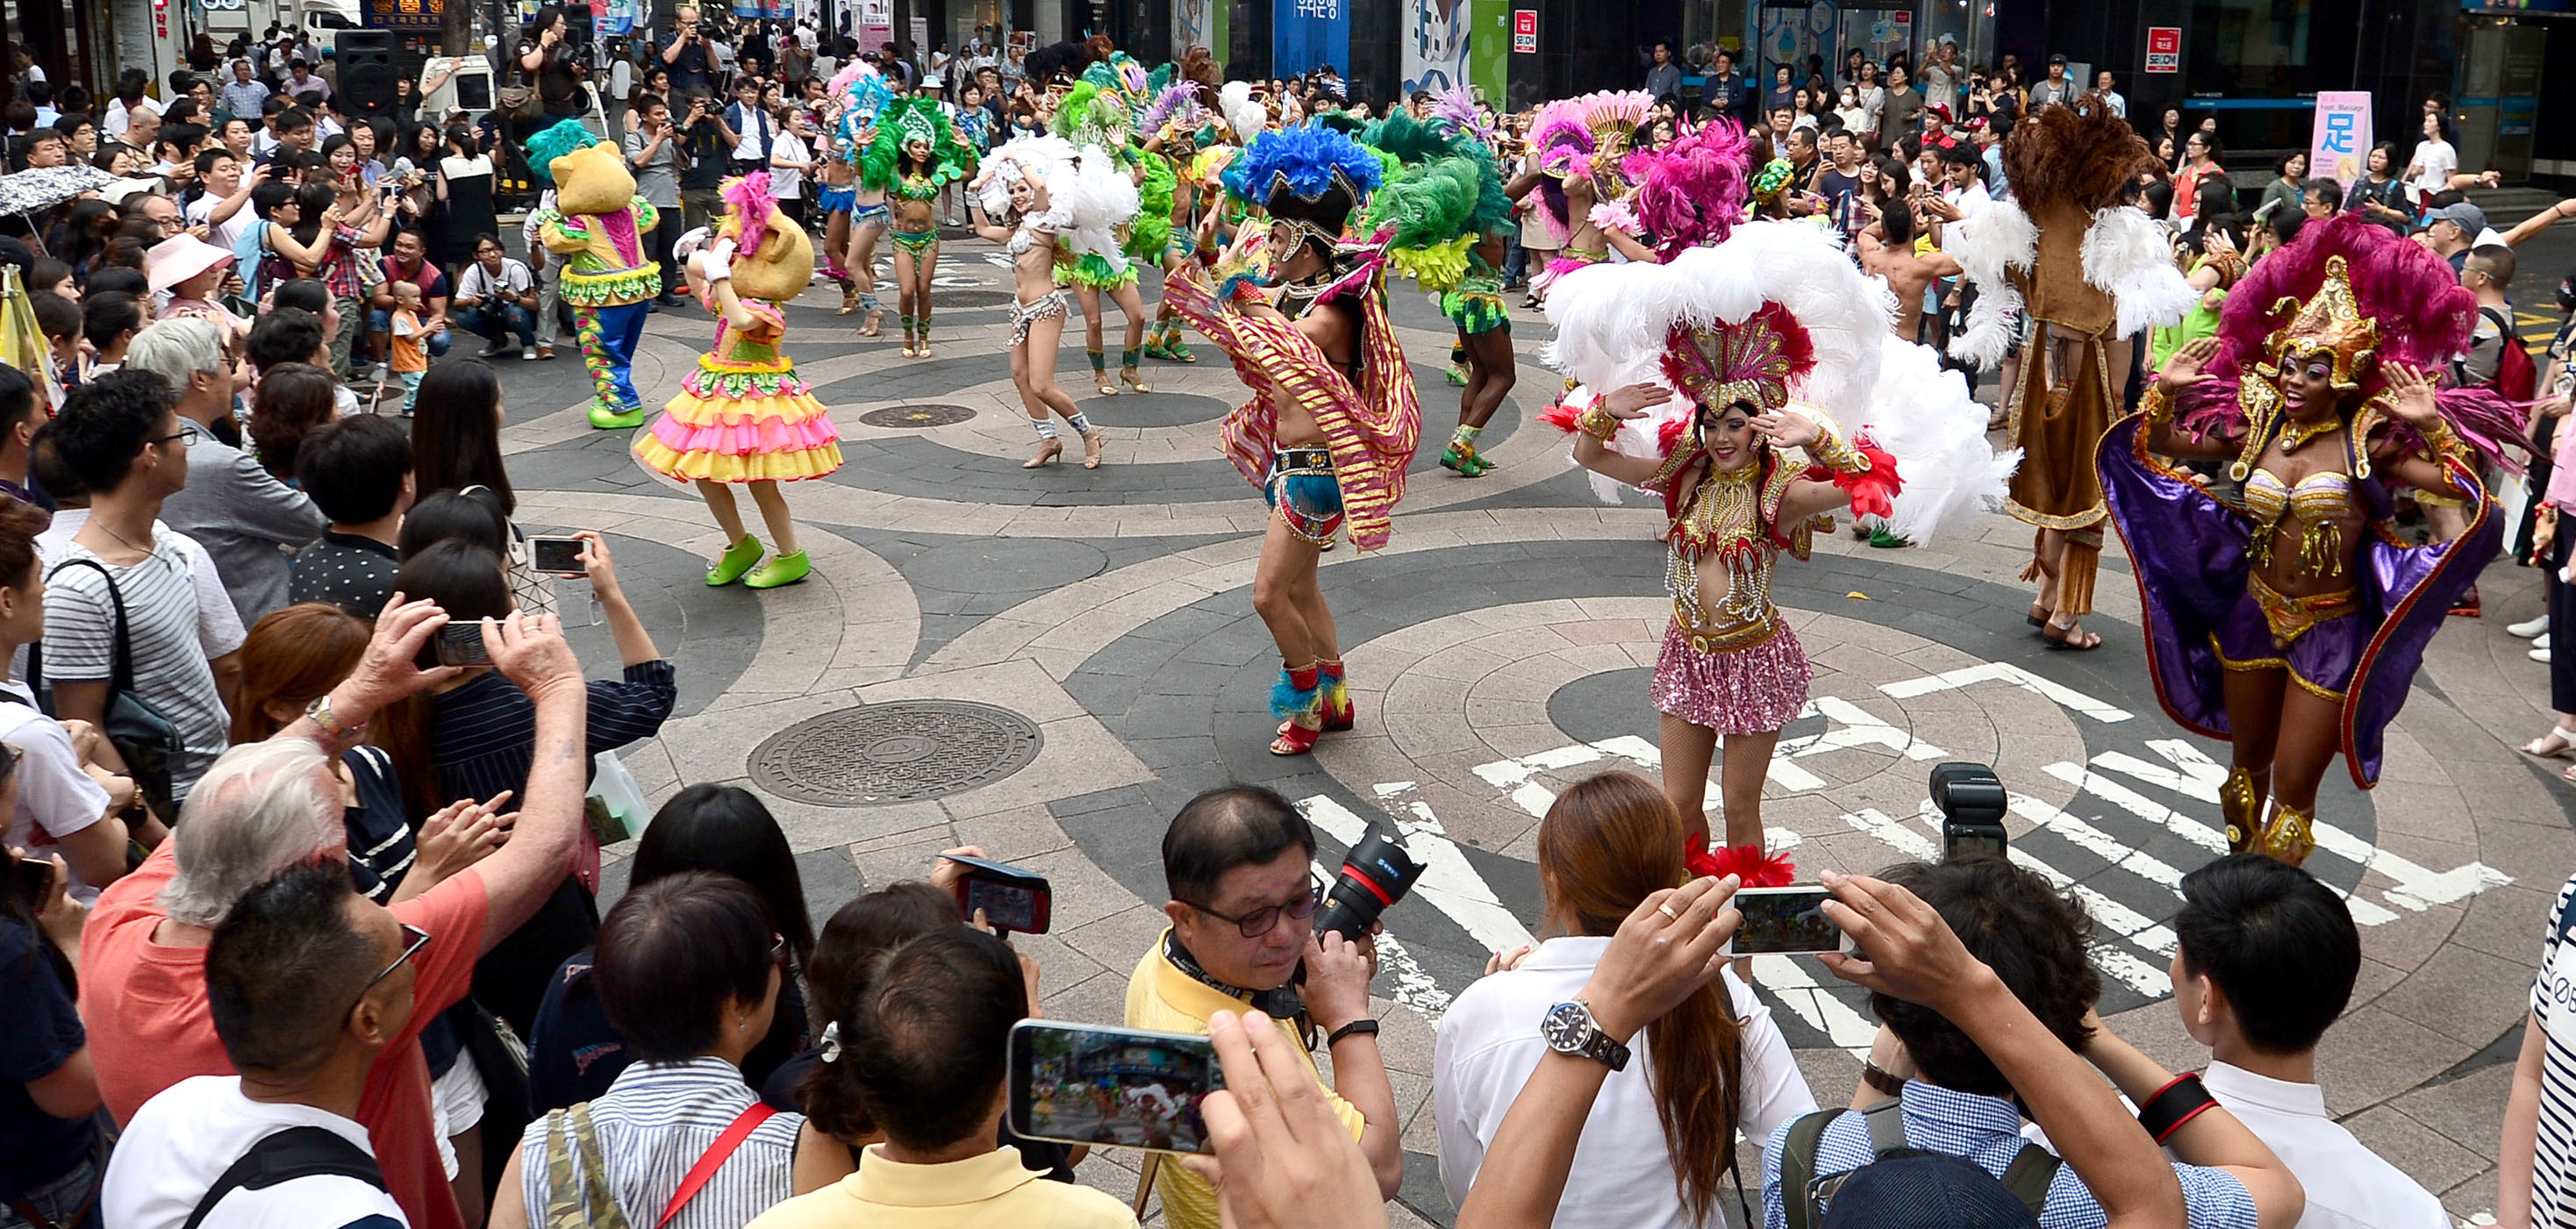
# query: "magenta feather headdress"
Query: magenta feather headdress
748,197
2425,316
1562,138
1692,191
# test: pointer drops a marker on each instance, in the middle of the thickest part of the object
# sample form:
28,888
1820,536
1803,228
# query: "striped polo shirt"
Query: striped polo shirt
653,1124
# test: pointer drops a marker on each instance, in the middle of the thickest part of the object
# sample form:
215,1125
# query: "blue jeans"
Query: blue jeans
1515,259
493,322
383,322
67,1201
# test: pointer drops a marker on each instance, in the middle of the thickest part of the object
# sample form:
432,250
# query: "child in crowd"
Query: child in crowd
411,356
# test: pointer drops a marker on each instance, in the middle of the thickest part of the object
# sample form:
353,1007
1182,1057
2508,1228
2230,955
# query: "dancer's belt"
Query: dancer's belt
2293,617
1726,639
1302,458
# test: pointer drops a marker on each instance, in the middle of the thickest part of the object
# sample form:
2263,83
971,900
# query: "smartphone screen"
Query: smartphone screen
35,880
1093,1084
559,556
1006,906
461,644
1790,919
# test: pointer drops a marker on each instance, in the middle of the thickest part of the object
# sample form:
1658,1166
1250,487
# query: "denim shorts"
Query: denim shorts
1302,487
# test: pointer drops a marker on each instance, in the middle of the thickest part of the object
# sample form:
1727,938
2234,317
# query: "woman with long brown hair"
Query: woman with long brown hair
1706,1069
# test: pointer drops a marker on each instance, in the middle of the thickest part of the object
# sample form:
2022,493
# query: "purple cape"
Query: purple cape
2189,552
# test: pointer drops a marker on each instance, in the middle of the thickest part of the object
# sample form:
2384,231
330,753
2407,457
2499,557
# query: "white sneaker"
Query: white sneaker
2541,643
2540,655
2528,628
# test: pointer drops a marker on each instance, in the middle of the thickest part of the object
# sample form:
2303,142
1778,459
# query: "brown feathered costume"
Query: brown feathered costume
2066,163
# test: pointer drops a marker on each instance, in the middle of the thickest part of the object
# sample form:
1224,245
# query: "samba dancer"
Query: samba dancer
916,154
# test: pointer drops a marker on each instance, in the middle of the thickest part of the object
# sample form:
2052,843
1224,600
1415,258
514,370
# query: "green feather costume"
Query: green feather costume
905,121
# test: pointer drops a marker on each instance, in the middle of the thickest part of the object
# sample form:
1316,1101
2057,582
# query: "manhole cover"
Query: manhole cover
971,298
917,416
903,751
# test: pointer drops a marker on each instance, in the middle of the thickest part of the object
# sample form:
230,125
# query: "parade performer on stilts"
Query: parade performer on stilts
862,95
596,225
2071,251
1026,194
1332,422
2292,626
1716,364
916,154
743,418
1448,210
1098,124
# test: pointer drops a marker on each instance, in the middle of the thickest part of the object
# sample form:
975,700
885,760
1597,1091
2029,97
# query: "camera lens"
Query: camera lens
1377,873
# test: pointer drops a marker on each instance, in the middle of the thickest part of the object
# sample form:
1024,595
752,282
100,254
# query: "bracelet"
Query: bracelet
2173,1105
1881,1078
1830,450
2155,405
1356,1028
1598,422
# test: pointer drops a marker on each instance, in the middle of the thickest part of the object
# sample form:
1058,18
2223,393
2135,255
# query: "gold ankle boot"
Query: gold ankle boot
2242,807
2289,836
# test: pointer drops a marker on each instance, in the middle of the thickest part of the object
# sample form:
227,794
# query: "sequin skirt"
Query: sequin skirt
1752,690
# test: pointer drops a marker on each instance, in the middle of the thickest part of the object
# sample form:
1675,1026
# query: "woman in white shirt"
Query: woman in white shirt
1709,1068
2430,171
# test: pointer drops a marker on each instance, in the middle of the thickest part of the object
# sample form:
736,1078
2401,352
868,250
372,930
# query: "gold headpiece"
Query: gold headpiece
1751,362
2329,323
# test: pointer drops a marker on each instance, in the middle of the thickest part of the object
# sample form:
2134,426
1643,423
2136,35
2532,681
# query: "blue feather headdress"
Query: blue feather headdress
1308,177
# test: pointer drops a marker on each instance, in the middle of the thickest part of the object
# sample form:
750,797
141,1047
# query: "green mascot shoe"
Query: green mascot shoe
737,560
783,570
601,418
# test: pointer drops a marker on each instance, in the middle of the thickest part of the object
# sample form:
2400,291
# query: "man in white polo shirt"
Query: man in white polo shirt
307,982
2264,963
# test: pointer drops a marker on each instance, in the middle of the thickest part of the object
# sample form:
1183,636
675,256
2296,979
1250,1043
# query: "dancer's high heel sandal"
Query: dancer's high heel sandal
874,324
849,300
1295,739
1132,378
1091,450
1100,379
1047,452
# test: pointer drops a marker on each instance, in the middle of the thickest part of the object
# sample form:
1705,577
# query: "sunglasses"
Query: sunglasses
414,939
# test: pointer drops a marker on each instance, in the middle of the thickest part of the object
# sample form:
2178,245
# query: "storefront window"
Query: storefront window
2246,62
1707,26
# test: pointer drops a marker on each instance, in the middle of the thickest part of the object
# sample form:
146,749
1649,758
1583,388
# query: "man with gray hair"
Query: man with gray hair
232,505
267,807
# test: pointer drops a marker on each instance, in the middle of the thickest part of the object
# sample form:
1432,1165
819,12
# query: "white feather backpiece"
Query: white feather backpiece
1102,198
1611,320
1999,237
1050,158
1923,415
1244,116
2127,256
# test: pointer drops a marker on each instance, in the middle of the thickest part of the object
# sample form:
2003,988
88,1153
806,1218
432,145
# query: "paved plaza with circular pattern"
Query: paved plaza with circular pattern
1089,640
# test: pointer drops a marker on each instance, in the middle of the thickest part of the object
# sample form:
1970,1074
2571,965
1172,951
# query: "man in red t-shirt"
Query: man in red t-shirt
267,806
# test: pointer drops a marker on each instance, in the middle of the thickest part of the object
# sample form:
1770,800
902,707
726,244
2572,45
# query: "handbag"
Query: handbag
519,104
148,740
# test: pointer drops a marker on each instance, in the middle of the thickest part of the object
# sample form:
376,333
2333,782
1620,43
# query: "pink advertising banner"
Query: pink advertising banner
2340,146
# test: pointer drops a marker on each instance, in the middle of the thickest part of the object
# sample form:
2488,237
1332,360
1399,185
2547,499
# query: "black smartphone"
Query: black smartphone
1785,920
461,644
1012,899
35,879
558,556
1124,1087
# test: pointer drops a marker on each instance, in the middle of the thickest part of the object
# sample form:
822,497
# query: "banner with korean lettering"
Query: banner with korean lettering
2339,148
1309,34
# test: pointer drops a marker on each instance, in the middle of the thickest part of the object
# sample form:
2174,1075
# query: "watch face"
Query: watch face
1567,1027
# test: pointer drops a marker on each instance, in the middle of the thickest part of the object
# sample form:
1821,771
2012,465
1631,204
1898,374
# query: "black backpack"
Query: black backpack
1803,1194
283,1156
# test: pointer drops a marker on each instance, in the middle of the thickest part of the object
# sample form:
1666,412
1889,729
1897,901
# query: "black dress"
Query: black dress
469,210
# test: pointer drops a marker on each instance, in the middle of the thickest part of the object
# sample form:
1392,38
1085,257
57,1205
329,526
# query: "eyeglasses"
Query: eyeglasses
187,435
417,939
777,948
1260,921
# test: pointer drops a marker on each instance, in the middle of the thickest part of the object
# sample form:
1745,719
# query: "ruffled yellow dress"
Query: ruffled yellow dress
743,416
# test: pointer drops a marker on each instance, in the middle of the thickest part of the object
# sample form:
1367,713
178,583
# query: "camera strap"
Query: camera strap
1279,1004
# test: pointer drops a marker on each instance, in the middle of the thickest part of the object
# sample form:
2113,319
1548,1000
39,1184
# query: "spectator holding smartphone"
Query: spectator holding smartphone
1712,1065
48,1088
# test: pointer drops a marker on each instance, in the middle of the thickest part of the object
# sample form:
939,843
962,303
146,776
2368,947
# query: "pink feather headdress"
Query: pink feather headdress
1563,139
2425,316
1692,191
748,197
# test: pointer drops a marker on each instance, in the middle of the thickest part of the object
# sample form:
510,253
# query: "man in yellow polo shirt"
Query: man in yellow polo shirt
929,1050
1238,862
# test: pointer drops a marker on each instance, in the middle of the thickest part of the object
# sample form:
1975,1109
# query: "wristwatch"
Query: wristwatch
1570,1029
320,711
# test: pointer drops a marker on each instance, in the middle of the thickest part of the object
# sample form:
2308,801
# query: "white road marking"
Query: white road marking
2005,672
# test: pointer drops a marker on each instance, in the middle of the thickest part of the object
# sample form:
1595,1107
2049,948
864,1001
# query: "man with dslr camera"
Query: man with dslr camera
1238,862
685,56
1952,1097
